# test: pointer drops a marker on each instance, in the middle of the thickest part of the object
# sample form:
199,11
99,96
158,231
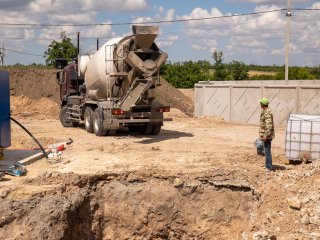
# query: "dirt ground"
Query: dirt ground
200,178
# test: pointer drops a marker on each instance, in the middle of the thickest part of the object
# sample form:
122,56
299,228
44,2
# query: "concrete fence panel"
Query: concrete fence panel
242,103
238,101
216,101
282,102
309,100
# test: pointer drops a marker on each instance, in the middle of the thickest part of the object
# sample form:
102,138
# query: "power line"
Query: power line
305,9
155,22
31,54
163,21
147,22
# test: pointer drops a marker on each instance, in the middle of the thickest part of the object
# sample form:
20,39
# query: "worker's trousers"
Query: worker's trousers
267,153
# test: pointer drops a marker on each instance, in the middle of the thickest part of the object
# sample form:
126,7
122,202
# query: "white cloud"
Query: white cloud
276,2
160,15
114,5
316,5
202,13
170,15
277,52
12,34
205,45
164,43
198,47
167,41
160,9
294,49
71,6
238,37
173,38
142,19
72,18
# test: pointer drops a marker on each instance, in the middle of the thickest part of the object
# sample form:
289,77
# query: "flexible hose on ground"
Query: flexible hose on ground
30,134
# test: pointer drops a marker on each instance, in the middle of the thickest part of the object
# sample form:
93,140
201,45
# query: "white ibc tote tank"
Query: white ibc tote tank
302,136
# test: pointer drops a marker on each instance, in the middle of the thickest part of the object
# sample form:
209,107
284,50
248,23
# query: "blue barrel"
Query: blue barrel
5,134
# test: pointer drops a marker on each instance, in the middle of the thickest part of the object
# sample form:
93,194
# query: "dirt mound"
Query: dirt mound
132,205
176,114
216,204
36,83
171,96
43,108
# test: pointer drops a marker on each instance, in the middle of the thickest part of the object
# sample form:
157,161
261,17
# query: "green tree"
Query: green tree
219,68
237,71
63,49
186,74
316,72
295,73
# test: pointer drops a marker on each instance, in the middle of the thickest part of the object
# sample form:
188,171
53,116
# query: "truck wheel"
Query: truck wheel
63,116
155,130
146,130
97,124
134,128
88,122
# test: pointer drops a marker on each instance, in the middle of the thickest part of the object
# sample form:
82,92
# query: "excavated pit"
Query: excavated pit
127,206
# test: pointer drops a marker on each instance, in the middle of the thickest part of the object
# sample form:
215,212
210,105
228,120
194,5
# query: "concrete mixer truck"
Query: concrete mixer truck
114,87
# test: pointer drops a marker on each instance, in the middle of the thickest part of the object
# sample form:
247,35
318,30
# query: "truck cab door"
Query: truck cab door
62,81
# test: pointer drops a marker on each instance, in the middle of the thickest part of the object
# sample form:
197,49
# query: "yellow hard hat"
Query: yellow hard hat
264,101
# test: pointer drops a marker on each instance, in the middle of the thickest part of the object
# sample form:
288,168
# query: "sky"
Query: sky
256,35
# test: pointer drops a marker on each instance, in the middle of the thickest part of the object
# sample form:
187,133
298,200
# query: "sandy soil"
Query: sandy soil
200,178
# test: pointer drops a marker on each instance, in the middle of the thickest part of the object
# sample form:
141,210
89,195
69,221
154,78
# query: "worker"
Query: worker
266,131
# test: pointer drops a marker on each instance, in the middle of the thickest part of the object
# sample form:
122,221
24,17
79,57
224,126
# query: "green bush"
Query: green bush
186,74
295,73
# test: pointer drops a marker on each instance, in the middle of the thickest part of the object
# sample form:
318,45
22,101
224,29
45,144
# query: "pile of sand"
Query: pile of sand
43,108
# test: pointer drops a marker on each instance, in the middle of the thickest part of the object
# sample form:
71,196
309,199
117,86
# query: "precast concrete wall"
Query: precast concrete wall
239,100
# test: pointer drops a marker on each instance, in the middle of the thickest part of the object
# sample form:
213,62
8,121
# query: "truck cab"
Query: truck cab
70,85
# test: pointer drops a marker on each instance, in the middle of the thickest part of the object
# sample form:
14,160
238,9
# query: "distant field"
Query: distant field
258,73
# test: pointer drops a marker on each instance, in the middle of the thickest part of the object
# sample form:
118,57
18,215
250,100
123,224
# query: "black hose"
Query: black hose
30,134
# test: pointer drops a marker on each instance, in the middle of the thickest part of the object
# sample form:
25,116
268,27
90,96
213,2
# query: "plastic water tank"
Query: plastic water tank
303,137
5,135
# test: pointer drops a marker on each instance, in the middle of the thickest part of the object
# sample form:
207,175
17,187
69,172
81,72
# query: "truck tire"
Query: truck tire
134,128
146,130
88,119
155,130
97,124
63,116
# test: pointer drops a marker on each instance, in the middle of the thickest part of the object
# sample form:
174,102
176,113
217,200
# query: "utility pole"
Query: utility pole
2,56
288,15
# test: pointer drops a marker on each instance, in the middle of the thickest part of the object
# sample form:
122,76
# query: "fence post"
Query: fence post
230,102
262,89
298,92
